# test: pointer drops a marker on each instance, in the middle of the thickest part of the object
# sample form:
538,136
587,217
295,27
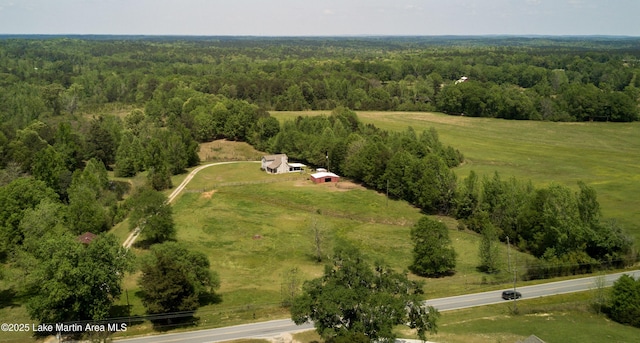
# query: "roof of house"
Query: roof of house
273,157
299,165
277,161
86,237
532,339
321,175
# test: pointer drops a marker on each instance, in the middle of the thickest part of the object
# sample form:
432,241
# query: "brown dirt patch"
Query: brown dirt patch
302,183
224,150
208,195
347,186
342,186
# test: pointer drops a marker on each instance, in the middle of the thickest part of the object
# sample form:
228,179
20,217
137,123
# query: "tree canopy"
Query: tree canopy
71,281
354,302
174,279
624,306
151,213
433,254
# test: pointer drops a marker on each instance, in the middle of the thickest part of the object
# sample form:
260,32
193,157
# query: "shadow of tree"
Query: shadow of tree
7,297
118,311
147,243
171,321
209,298
122,314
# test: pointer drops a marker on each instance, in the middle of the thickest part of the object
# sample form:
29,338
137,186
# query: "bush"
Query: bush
625,301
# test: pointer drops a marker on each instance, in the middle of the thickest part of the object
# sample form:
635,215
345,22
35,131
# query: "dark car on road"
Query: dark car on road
511,294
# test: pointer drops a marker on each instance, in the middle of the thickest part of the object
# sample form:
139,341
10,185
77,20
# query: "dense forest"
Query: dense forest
539,79
72,109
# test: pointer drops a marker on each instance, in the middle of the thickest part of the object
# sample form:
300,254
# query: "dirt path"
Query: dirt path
136,232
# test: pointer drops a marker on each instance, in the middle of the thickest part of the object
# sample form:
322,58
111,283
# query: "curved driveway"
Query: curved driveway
136,232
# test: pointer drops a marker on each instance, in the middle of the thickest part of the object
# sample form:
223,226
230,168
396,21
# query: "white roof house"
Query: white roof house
461,80
278,164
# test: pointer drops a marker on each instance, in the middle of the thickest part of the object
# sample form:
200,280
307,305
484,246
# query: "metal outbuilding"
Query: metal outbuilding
323,177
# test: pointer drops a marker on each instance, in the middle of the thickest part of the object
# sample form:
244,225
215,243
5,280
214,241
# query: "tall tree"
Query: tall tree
16,199
433,254
47,218
489,248
468,197
588,206
126,159
174,278
86,210
51,95
72,281
49,166
353,302
100,143
436,189
152,214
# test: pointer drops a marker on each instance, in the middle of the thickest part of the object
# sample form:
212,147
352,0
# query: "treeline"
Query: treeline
561,228
536,79
54,158
409,166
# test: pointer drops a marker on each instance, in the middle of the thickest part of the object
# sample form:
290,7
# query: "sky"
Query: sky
321,17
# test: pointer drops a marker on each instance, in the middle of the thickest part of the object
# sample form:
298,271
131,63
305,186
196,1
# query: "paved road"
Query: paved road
277,327
528,292
263,329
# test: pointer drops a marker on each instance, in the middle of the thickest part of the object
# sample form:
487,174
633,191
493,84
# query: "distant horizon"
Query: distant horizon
328,18
319,36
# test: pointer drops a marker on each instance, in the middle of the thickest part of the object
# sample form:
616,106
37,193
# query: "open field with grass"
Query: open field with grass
254,227
603,155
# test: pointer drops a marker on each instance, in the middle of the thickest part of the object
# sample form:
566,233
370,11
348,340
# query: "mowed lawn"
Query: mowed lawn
603,155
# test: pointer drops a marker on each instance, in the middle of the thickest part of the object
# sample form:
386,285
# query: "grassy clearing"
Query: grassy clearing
255,230
604,155
223,150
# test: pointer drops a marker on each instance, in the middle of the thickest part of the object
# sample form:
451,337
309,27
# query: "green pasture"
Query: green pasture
603,155
255,227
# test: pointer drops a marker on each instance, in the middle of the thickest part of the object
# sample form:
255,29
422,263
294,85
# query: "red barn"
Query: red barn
323,177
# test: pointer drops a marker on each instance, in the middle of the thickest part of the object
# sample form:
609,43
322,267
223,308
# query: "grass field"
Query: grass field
254,226
603,155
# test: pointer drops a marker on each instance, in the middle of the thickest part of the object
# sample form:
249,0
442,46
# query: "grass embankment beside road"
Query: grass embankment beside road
564,318
603,155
